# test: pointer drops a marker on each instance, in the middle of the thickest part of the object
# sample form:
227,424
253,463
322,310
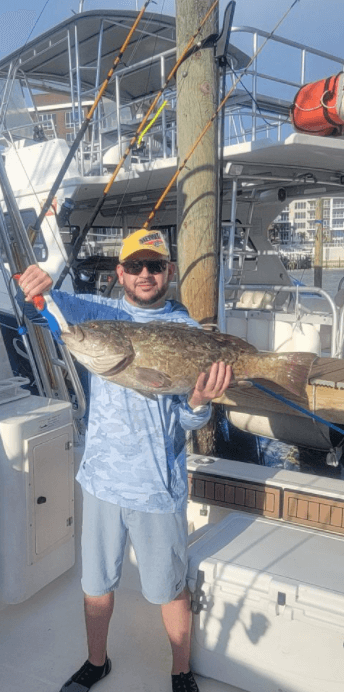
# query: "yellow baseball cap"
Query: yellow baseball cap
144,240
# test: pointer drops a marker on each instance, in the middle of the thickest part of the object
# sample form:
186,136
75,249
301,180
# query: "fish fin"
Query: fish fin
153,378
147,395
293,371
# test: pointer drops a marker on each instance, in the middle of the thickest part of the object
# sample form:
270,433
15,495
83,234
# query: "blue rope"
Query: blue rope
297,407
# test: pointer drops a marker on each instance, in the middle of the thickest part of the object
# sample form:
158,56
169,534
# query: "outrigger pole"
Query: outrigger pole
210,122
46,206
131,144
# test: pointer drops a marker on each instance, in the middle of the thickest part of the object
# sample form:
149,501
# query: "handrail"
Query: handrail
47,347
335,348
256,74
286,41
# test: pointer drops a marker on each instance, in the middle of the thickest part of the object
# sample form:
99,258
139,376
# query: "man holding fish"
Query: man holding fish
133,471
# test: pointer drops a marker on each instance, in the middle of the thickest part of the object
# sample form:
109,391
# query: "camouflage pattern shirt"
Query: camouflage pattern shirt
135,446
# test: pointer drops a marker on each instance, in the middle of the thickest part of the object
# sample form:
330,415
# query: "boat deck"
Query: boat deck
43,640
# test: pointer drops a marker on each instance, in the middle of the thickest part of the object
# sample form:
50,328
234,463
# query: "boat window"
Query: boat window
29,217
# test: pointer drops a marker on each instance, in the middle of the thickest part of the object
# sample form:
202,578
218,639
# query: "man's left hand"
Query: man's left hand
211,385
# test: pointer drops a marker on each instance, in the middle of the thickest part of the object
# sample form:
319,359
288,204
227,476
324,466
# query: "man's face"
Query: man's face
145,289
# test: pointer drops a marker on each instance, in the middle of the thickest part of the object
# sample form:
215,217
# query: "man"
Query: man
133,472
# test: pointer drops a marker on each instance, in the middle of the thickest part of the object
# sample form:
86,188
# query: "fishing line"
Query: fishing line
132,142
211,120
48,202
151,108
15,66
267,122
154,162
153,166
281,398
36,22
87,121
142,101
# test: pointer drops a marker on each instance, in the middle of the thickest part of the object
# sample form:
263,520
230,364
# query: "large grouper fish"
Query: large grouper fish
167,358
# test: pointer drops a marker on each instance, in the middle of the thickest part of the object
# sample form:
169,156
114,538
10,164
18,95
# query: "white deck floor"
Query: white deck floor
42,641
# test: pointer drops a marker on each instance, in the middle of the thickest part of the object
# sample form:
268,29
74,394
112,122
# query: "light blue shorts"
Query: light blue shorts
159,542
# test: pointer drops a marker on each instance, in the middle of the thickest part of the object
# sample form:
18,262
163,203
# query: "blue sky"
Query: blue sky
313,22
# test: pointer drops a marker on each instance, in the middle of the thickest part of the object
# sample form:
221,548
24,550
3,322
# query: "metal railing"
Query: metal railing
258,108
48,364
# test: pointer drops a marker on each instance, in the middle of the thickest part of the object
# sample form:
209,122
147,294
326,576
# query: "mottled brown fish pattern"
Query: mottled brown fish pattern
166,358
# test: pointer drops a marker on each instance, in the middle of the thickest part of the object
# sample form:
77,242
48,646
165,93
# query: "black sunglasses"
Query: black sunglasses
136,266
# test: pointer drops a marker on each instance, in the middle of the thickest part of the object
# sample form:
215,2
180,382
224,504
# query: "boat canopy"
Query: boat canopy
87,44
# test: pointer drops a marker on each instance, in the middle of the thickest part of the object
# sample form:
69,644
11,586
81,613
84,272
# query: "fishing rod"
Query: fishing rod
131,144
46,206
210,122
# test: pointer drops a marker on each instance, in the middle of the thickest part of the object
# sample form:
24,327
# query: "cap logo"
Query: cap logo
152,239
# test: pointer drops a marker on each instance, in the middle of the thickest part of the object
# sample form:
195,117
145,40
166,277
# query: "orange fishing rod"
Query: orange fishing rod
151,108
209,124
85,124
132,142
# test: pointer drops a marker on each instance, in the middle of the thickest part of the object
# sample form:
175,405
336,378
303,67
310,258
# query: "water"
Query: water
330,278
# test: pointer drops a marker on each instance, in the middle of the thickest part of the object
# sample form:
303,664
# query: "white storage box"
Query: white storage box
270,602
12,389
36,495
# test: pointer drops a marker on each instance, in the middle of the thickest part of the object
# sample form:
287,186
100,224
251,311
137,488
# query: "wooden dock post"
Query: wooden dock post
197,203
197,186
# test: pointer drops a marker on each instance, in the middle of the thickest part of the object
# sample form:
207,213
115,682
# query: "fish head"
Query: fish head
102,346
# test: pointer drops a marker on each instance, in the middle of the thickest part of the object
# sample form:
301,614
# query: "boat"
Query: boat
265,164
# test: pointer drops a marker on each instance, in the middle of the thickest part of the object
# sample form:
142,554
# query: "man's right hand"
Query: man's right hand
34,281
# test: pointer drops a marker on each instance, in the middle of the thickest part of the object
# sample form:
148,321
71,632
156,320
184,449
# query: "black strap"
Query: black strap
327,96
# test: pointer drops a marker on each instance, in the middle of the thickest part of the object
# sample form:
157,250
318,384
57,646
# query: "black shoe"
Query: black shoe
184,682
87,676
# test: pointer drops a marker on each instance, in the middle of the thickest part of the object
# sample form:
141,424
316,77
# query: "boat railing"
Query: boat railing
49,364
265,97
258,107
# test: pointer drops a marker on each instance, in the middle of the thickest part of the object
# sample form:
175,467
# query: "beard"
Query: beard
146,302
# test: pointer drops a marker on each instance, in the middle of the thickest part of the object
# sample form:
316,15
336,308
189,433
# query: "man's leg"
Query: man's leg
98,611
103,541
176,617
160,544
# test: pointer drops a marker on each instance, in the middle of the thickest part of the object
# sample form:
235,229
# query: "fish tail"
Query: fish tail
289,370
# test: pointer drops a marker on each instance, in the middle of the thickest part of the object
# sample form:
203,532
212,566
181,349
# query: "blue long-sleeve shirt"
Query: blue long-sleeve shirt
135,446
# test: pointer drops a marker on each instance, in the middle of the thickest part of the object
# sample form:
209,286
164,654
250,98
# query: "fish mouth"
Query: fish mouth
93,354
74,331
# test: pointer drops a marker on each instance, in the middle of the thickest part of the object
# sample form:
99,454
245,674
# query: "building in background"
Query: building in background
297,223
57,117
